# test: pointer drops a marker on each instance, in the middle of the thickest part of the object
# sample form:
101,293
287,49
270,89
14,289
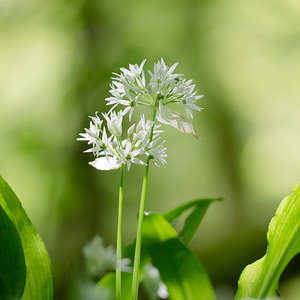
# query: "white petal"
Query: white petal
126,110
131,129
104,135
128,148
128,162
137,161
170,117
141,66
105,163
172,68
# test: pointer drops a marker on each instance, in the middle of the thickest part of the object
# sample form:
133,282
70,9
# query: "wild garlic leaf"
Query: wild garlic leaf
39,278
193,219
260,279
179,268
12,261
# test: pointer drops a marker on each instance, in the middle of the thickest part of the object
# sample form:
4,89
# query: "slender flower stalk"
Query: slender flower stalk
137,256
119,236
138,244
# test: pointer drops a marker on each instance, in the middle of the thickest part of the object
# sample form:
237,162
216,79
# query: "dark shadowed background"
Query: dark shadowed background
56,60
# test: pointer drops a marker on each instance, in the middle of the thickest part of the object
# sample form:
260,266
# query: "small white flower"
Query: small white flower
114,122
158,154
127,87
101,144
134,72
100,259
162,79
128,155
143,130
91,135
188,97
105,140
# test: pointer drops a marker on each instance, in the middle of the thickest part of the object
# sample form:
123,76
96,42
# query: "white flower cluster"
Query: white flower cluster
100,259
111,146
111,151
164,87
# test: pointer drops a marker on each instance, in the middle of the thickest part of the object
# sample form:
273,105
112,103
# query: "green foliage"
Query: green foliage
260,279
39,278
193,220
12,261
180,269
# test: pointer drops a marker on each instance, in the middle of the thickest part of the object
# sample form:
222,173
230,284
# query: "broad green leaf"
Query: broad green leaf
193,220
12,261
180,269
39,278
260,279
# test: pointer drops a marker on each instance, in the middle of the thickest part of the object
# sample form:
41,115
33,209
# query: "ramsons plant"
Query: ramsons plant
141,143
159,258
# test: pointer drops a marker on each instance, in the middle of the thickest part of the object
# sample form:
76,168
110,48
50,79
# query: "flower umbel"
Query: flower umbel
131,89
100,259
111,151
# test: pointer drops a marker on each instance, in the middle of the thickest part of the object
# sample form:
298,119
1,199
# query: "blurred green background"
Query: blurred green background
56,60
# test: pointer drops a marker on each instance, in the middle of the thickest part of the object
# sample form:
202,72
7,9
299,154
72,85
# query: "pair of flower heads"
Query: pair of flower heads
142,142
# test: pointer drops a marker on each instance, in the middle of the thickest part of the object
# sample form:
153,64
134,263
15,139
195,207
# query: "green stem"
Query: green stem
119,237
137,255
